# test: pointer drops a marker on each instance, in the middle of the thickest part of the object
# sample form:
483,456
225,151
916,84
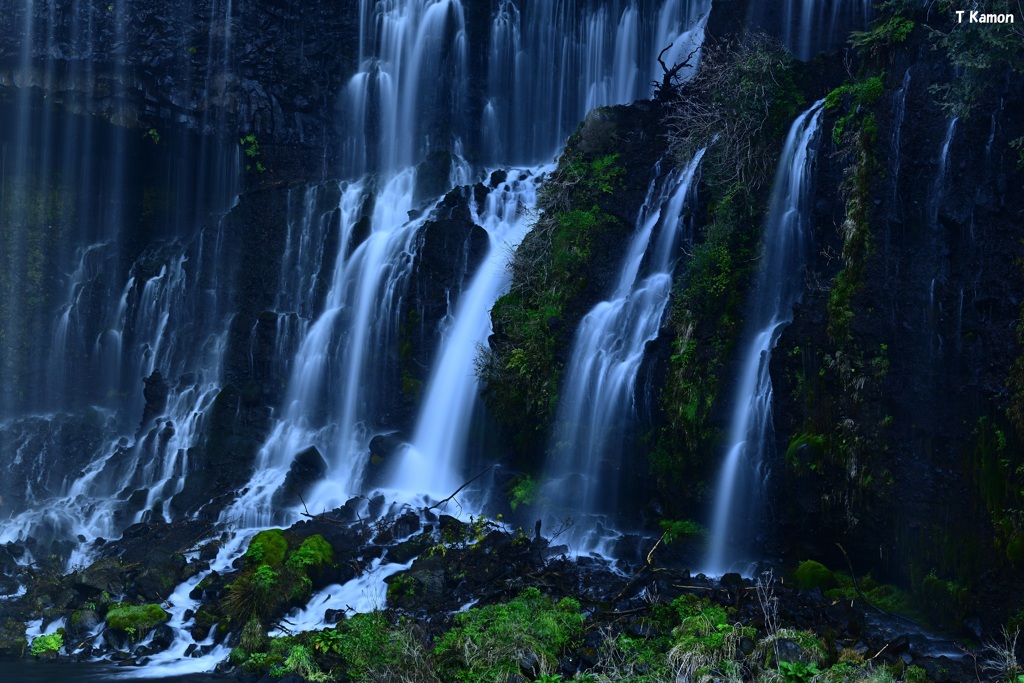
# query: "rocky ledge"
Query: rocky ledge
372,591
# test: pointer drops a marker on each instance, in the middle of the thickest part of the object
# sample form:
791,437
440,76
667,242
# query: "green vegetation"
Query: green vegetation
882,595
806,452
522,491
267,547
881,39
251,147
812,574
522,371
738,107
681,529
272,579
981,54
488,642
48,643
313,553
855,98
154,135
136,619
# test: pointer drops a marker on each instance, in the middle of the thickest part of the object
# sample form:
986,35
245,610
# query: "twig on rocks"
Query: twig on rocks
458,490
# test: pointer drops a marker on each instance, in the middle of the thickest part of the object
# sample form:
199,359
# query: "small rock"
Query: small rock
529,664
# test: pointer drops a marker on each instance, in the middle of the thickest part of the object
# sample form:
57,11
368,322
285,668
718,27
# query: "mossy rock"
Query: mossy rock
267,547
811,574
12,639
141,618
314,552
806,450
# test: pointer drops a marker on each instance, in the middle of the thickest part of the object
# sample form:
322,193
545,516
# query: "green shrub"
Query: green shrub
882,37
522,491
681,529
798,672
368,643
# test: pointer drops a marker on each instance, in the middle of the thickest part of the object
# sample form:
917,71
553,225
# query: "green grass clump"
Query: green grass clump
487,642
141,618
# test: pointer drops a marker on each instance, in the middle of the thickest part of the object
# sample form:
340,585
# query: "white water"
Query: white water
778,287
551,62
555,61
597,406
175,661
340,358
433,464
365,593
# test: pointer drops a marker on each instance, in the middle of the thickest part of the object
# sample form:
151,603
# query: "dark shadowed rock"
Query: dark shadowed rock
306,469
106,575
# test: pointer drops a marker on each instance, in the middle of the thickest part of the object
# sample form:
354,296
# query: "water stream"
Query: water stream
597,407
778,286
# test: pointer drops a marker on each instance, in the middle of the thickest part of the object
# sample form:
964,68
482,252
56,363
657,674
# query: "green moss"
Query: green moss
141,618
313,554
806,451
267,547
812,574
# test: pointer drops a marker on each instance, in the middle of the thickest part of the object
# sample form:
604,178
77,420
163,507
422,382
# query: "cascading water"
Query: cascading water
87,312
809,26
434,460
401,44
777,288
157,307
597,405
936,196
551,62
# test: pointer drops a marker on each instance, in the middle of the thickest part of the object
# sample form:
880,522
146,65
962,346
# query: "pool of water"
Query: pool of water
28,671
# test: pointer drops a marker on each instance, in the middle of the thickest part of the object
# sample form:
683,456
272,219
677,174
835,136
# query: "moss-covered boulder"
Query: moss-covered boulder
811,574
12,639
136,619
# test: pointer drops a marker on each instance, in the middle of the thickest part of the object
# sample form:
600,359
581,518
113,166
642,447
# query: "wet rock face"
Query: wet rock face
931,343
271,69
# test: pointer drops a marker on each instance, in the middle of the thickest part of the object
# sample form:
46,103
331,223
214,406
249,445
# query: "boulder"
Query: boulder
306,469
12,639
106,575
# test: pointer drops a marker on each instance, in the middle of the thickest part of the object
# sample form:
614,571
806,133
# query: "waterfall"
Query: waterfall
778,287
808,27
434,460
549,63
597,405
88,312
126,306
